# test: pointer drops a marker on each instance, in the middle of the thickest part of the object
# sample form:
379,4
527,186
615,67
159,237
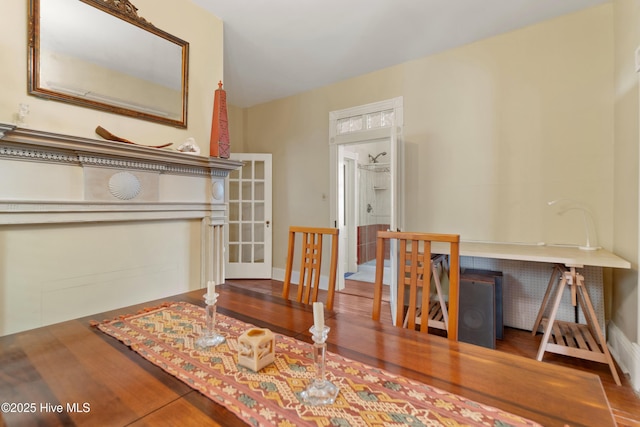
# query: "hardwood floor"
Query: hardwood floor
357,298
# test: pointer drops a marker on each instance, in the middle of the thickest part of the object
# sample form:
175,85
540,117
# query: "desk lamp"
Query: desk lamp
580,207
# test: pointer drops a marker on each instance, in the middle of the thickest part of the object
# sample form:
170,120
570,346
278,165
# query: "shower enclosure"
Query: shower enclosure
373,207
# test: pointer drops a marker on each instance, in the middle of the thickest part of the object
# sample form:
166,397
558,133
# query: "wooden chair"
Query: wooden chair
414,273
310,264
436,313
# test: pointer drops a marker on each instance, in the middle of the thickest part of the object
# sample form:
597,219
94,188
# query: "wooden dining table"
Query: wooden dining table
71,373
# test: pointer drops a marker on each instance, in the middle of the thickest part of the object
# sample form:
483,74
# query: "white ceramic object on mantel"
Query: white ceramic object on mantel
189,146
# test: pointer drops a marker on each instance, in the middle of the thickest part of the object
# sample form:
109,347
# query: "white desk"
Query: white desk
561,335
570,256
526,270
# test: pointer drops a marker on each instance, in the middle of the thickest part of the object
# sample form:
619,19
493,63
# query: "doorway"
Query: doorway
366,155
367,206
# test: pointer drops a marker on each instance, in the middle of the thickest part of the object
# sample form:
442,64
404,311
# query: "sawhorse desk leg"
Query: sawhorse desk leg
573,339
555,274
437,313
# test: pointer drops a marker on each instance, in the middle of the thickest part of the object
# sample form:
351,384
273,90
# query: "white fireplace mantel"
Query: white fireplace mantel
49,193
64,187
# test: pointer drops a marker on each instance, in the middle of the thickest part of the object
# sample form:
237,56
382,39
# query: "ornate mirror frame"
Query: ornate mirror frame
118,87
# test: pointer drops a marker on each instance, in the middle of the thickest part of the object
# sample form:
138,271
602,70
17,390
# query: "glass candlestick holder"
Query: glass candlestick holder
210,336
320,391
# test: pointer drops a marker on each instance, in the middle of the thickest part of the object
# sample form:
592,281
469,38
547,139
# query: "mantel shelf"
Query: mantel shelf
79,147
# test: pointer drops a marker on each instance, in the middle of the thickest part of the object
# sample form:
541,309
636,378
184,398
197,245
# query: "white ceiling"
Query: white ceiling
277,48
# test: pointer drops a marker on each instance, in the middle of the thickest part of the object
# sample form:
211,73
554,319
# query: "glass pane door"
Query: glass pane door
249,237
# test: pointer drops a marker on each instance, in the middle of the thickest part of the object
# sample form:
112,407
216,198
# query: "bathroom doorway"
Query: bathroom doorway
369,206
366,186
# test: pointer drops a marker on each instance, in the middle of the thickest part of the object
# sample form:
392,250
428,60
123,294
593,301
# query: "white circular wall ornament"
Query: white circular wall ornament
124,185
218,191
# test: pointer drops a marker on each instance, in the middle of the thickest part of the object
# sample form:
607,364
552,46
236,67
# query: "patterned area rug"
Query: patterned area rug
368,396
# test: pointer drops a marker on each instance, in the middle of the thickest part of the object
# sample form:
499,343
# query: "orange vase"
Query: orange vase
219,142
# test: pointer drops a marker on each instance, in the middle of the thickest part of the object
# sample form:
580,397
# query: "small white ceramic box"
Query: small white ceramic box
256,348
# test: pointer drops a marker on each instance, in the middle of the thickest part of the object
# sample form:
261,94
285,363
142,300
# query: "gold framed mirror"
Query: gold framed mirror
100,54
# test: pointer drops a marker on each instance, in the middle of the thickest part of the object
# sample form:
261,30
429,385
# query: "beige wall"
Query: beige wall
624,301
502,126
236,128
202,30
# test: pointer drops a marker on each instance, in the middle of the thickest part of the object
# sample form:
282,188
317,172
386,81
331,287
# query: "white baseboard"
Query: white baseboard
278,274
626,353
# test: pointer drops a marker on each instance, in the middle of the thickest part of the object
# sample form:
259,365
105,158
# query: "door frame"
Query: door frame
351,201
360,132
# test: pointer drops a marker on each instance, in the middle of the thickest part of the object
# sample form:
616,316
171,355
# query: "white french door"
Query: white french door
249,234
